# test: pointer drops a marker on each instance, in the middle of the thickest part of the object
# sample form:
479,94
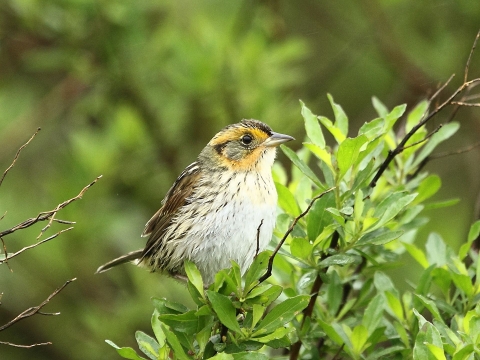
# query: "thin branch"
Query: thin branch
456,152
258,238
34,310
400,147
461,103
441,88
6,254
472,50
17,155
424,139
268,273
47,215
5,260
24,346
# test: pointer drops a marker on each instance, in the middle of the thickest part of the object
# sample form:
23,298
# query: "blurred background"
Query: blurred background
133,89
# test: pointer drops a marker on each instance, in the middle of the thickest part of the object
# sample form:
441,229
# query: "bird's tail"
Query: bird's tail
131,256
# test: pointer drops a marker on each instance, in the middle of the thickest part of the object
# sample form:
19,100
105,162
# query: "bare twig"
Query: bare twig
472,50
456,152
424,139
5,260
34,310
441,88
24,346
461,103
17,155
258,238
6,254
47,215
268,273
401,146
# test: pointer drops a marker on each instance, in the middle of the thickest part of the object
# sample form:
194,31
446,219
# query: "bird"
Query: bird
222,207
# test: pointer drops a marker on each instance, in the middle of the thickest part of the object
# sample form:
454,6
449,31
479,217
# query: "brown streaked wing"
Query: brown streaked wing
175,198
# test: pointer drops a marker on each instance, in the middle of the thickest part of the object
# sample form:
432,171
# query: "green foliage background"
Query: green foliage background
134,89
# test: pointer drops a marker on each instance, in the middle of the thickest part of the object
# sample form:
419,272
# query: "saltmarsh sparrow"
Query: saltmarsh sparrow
221,208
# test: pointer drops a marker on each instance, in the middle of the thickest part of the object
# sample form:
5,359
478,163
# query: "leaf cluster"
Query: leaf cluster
330,295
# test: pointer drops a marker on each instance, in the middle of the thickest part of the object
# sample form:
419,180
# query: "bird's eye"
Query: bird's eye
247,139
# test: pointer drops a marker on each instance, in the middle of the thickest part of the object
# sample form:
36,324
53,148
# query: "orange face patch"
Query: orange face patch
235,134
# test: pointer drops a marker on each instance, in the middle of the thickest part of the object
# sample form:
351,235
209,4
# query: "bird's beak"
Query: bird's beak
276,139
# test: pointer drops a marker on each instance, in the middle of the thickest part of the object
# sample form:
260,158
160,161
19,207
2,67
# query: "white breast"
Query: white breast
226,226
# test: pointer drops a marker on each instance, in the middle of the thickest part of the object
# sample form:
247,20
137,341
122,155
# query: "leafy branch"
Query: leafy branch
450,101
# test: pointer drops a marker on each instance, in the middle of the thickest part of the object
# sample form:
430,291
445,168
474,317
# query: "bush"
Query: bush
345,220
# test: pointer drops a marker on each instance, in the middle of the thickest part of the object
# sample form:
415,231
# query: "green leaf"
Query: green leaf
436,351
125,352
185,323
286,200
358,206
463,282
348,152
222,356
391,207
157,329
341,120
382,282
359,338
417,254
372,129
427,188
318,217
337,259
147,345
464,352
427,334
436,250
301,248
331,332
249,355
334,292
194,277
168,307
395,305
392,117
302,166
321,153
441,204
472,235
312,127
431,306
277,334
225,310
416,115
381,109
379,237
336,132
282,314
373,314
256,270
257,314
266,296
175,344
441,135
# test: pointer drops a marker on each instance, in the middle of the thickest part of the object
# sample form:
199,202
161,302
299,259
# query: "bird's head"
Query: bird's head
247,145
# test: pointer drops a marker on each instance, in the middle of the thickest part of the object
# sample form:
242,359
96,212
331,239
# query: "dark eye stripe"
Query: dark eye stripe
219,147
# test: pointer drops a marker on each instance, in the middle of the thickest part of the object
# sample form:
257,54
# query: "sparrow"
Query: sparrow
222,207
